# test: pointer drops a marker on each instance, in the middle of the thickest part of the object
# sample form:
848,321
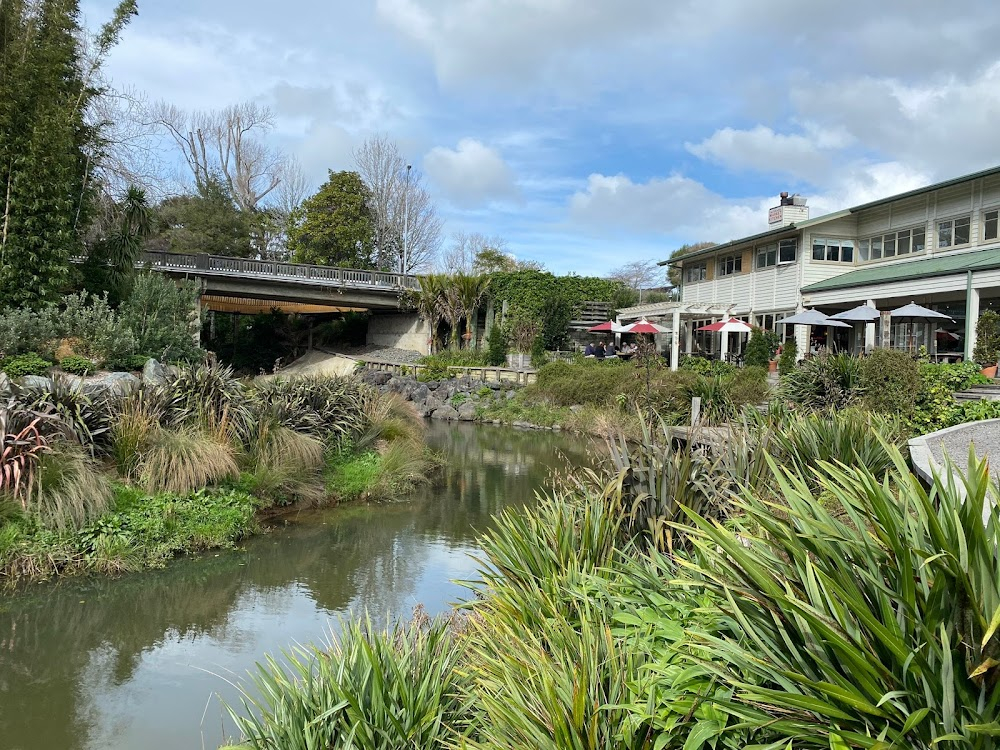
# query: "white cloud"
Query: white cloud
470,175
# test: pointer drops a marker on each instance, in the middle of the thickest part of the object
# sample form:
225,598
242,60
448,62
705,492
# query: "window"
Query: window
787,250
730,264
990,224
697,272
835,251
891,244
954,232
777,253
767,256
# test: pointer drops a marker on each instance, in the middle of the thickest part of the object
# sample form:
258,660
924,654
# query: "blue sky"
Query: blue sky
591,133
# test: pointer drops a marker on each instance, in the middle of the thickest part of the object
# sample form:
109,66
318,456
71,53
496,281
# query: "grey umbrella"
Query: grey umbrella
859,314
812,318
914,313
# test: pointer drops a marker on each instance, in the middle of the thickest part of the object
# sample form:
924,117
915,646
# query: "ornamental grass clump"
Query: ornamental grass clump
869,620
372,689
185,460
69,488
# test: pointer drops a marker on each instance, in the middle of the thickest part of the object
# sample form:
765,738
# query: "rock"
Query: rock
522,425
467,411
557,428
494,385
510,395
445,412
380,378
497,421
154,373
36,382
420,393
115,382
576,407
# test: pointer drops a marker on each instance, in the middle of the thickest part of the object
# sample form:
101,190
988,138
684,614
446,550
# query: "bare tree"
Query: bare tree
467,248
407,227
227,145
638,275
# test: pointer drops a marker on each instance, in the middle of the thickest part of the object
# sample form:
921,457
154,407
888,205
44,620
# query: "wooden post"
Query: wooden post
695,411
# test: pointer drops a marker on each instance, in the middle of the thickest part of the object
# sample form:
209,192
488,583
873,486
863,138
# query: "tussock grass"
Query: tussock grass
387,417
185,460
69,488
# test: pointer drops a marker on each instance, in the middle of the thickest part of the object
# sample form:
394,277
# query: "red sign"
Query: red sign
774,215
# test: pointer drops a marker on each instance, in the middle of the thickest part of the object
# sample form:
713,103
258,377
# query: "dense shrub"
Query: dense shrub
761,347
496,346
163,316
25,364
77,365
828,381
566,383
705,366
890,380
788,357
987,349
127,363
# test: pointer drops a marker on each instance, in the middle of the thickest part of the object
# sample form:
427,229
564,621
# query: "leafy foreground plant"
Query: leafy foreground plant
868,624
372,690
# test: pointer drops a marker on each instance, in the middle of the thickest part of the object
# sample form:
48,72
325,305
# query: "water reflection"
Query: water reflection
133,662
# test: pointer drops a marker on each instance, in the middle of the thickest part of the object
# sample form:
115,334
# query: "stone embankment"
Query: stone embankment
118,383
454,399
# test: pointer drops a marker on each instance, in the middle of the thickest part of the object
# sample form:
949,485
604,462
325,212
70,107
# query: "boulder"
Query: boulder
511,394
379,377
467,411
4,382
154,373
36,382
445,412
420,392
114,382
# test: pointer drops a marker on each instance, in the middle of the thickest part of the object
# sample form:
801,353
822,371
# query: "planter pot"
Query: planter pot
772,366
990,372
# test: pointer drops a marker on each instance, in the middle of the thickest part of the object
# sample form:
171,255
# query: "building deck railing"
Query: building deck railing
277,270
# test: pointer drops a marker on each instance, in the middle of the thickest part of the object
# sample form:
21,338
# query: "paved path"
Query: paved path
929,451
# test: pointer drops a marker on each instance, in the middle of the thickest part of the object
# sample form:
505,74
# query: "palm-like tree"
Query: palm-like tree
470,291
430,302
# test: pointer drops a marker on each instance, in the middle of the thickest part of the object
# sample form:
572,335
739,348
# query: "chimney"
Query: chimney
791,209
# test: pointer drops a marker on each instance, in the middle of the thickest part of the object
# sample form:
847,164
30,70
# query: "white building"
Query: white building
937,246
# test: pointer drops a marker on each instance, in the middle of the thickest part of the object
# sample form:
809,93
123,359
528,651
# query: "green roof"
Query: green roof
942,265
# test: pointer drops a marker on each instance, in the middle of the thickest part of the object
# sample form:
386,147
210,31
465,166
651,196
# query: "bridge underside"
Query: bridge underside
246,306
298,291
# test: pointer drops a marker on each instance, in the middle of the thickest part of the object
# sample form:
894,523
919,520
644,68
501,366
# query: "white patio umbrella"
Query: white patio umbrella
729,325
644,326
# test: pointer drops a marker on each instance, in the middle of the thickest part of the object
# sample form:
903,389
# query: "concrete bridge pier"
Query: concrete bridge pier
402,330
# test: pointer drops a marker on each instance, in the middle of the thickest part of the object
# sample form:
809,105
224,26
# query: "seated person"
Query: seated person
610,351
588,350
599,350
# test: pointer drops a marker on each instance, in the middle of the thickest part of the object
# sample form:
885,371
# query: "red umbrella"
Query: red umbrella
644,326
729,325
602,327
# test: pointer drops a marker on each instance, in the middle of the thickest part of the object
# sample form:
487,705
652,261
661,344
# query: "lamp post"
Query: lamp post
406,219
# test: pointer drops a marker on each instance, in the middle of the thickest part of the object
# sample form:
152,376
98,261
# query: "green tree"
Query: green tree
116,247
334,227
47,149
205,222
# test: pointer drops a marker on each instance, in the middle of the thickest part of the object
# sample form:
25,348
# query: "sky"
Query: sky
593,133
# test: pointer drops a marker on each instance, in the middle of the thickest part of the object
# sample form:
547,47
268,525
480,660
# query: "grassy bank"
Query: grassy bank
117,482
769,596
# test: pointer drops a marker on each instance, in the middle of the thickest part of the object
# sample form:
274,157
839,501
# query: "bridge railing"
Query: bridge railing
278,270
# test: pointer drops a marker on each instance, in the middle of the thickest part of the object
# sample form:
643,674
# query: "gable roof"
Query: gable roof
941,265
838,214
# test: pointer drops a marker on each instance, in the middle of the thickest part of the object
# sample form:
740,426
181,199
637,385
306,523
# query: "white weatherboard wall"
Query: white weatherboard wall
400,330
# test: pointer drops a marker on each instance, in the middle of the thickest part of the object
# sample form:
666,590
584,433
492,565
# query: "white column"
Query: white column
675,341
869,330
971,317
689,336
724,346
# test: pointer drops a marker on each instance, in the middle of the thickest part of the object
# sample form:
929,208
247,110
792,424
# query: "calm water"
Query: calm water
137,662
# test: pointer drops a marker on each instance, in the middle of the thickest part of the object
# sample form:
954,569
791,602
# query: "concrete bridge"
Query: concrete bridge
240,284
221,275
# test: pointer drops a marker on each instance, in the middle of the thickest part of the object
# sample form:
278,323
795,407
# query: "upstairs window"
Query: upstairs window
730,264
767,256
891,244
832,250
954,232
697,272
787,250
990,224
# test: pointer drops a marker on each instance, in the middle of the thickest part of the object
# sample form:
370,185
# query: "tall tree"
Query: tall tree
638,275
48,151
116,244
335,226
206,222
403,214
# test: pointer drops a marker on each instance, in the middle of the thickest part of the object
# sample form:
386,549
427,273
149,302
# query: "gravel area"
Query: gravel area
955,444
384,353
